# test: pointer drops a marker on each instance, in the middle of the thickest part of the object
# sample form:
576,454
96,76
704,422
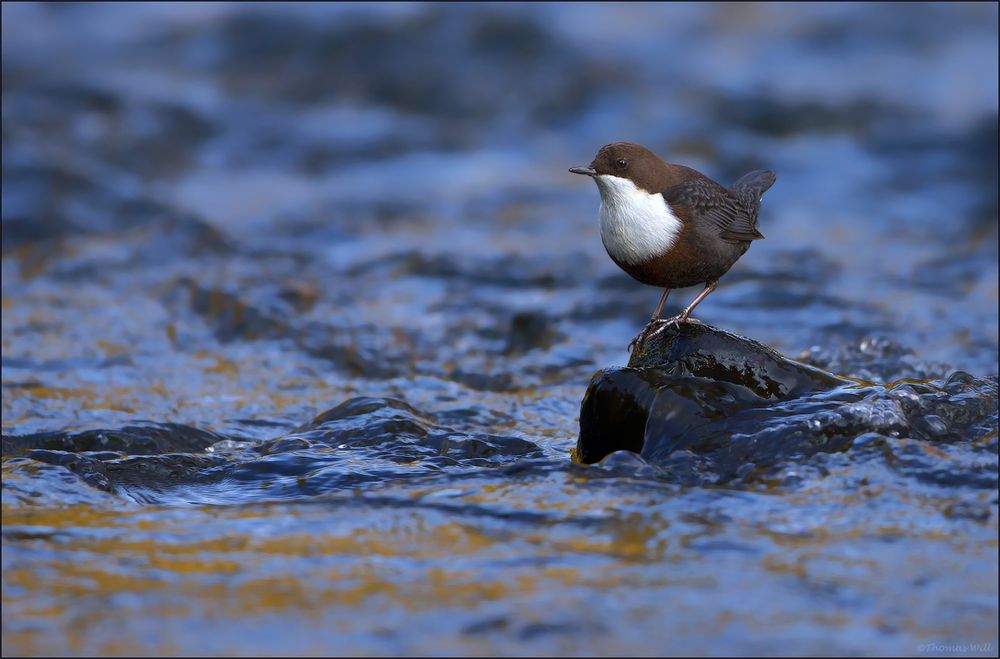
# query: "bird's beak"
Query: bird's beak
589,171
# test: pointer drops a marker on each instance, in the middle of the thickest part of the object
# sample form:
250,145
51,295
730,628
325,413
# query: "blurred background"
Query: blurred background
230,217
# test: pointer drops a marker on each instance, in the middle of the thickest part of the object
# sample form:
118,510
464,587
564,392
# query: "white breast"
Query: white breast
635,225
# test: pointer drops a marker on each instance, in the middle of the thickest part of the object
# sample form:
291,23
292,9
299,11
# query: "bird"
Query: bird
671,226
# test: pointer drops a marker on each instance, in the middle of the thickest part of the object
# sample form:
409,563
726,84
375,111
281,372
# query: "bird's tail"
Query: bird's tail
751,187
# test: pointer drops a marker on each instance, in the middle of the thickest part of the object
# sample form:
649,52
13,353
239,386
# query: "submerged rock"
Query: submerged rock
731,408
144,438
359,441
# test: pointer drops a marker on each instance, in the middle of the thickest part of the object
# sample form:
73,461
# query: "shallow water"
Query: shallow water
299,306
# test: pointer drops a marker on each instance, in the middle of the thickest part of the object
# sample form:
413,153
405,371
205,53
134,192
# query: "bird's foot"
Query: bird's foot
656,326
651,329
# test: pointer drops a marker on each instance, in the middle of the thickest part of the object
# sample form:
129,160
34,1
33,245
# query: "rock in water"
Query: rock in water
705,351
706,405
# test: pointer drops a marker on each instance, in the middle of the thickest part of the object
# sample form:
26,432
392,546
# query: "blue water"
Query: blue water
222,220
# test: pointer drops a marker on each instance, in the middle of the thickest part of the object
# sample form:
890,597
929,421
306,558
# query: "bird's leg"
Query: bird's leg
659,307
651,325
685,316
682,317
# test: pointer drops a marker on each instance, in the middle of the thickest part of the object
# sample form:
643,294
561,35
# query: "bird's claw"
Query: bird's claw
651,329
656,326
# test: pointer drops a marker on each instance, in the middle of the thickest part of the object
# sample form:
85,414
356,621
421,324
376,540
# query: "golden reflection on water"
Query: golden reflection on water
83,555
90,578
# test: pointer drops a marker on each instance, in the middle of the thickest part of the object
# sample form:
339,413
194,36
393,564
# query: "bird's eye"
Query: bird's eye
621,163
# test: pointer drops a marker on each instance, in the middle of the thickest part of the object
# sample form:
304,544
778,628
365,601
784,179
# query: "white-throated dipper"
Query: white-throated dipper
670,226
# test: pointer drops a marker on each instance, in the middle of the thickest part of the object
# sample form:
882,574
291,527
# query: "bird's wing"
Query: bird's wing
711,202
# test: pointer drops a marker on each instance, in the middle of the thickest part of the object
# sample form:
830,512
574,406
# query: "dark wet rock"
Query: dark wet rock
367,419
134,440
529,330
707,352
90,470
361,440
283,445
461,446
142,477
365,439
231,316
702,404
378,422
690,375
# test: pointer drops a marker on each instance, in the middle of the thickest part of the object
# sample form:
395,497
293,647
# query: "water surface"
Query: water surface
300,303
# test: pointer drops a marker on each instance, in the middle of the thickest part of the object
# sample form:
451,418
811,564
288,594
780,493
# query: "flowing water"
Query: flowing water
300,304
